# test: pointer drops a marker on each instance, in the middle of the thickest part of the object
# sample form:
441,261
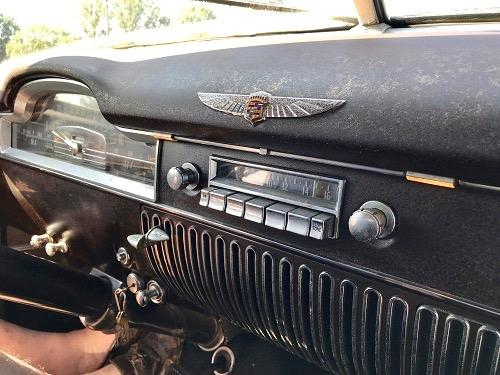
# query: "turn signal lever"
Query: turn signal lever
40,283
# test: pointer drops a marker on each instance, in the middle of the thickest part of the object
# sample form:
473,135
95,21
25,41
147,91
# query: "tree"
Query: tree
137,14
36,38
196,13
7,28
93,15
153,18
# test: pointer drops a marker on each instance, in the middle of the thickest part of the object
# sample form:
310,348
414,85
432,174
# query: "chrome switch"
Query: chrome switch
322,226
299,221
123,256
255,209
153,293
235,204
276,215
205,196
135,282
217,199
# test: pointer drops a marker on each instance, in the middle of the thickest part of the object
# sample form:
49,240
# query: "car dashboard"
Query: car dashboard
361,239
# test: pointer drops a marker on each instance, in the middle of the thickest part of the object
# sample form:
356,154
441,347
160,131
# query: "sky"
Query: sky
60,13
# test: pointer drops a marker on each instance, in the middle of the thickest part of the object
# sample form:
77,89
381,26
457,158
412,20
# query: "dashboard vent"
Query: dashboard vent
339,318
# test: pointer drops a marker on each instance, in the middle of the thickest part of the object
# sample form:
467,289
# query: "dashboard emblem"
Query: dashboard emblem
260,105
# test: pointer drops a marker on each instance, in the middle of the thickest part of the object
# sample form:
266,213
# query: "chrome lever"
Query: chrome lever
141,241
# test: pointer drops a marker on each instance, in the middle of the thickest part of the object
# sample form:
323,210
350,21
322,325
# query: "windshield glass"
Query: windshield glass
33,25
432,8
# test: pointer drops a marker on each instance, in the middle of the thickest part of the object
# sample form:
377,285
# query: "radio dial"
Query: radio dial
185,177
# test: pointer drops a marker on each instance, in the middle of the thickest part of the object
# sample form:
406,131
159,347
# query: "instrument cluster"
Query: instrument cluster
70,127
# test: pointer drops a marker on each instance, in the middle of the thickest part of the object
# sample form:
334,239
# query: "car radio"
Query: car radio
298,202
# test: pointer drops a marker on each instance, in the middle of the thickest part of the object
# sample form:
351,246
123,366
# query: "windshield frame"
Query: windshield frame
400,21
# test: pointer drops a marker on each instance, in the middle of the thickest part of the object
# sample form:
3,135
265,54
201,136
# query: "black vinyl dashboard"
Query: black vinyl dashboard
418,131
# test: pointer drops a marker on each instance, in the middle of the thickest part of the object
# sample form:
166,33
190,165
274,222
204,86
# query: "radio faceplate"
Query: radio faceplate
298,202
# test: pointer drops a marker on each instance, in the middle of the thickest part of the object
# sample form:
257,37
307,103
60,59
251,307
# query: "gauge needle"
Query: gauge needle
75,147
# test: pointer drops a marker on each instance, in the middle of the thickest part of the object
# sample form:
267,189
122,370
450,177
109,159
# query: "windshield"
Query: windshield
440,8
33,25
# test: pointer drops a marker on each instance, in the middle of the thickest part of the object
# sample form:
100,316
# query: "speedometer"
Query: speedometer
70,127
82,144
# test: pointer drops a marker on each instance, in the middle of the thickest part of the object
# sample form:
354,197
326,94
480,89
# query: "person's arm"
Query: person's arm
76,352
110,369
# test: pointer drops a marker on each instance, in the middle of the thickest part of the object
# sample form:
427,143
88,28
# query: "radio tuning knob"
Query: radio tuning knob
374,220
185,177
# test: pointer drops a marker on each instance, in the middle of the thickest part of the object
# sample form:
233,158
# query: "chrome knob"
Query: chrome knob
53,248
38,241
185,177
154,293
374,220
135,283
123,256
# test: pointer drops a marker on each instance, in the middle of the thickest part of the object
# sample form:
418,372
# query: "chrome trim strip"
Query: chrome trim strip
472,185
478,347
447,342
403,334
5,134
340,164
252,150
377,329
431,350
263,151
81,174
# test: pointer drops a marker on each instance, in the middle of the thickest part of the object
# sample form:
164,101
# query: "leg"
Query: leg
60,353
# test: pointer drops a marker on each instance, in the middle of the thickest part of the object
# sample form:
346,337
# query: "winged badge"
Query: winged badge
260,105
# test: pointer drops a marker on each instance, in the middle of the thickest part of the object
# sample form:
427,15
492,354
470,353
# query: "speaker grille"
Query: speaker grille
337,318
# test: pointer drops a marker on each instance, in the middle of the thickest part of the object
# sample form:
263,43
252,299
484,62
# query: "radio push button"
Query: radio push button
322,226
299,221
255,209
217,199
235,204
205,196
276,215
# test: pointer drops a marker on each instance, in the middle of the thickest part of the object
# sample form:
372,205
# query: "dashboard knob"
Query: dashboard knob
135,283
39,240
185,177
53,248
374,220
153,293
123,256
